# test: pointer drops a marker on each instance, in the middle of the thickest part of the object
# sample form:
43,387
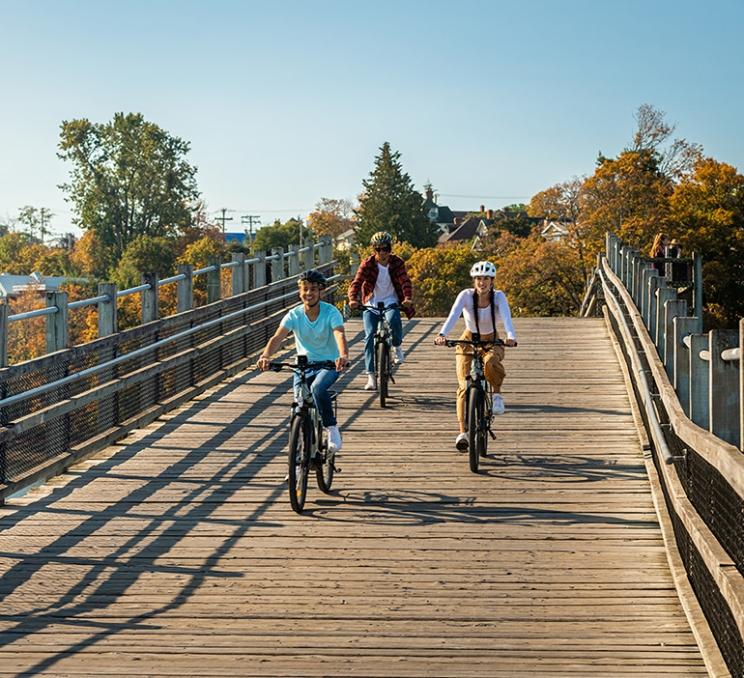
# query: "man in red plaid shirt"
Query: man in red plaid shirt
381,278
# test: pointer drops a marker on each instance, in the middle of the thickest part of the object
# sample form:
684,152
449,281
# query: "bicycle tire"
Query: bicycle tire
324,471
298,462
383,370
483,429
475,411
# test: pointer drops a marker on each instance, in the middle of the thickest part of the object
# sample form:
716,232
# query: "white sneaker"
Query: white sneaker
371,384
498,404
334,438
461,442
399,355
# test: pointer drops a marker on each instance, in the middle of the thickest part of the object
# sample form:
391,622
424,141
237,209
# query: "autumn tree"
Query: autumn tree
390,203
129,178
331,217
438,275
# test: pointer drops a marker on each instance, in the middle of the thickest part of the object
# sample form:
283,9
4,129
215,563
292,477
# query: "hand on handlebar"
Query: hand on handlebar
263,363
510,342
342,363
441,340
354,305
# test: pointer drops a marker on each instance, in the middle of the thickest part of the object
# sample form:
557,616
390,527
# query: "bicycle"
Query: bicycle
308,442
383,347
478,398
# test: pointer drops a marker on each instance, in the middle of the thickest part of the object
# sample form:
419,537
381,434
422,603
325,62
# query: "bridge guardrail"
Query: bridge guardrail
701,467
62,406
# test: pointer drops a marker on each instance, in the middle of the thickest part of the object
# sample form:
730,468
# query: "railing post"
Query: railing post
4,313
150,296
108,322
238,274
638,265
682,327
741,384
697,285
214,284
664,295
277,264
185,288
674,308
643,306
259,270
56,325
308,256
699,381
723,391
293,260
622,263
326,249
653,287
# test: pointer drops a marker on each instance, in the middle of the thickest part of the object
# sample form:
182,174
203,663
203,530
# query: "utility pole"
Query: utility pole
44,216
250,219
223,219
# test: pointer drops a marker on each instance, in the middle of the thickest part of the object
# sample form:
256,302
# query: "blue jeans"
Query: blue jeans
371,320
320,381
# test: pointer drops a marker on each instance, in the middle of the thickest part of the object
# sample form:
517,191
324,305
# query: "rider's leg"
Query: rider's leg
495,373
319,388
463,359
370,319
396,325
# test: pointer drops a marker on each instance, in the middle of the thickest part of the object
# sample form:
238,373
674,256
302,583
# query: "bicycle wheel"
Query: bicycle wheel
483,429
383,370
299,462
324,471
475,423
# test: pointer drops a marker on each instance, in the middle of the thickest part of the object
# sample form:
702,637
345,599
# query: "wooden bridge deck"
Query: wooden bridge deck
177,554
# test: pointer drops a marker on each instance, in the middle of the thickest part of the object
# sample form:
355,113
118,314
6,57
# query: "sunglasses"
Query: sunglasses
382,249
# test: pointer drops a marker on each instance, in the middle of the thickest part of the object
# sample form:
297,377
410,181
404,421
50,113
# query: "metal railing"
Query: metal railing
689,388
247,273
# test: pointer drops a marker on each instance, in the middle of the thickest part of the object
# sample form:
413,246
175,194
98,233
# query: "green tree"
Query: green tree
145,254
514,219
129,178
389,203
281,235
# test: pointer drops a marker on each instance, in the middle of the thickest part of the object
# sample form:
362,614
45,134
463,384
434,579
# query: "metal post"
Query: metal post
293,260
214,285
185,288
238,274
664,294
56,325
150,310
4,313
682,327
674,308
108,322
699,412
259,270
277,264
723,392
697,280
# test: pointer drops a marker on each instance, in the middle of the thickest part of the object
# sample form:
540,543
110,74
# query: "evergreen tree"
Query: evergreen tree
389,203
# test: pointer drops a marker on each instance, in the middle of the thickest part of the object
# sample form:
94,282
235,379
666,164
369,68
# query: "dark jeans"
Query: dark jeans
320,381
371,320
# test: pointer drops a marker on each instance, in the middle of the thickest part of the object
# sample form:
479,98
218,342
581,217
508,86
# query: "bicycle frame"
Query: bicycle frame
384,333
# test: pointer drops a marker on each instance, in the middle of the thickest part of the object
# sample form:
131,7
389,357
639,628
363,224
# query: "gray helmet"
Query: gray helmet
313,276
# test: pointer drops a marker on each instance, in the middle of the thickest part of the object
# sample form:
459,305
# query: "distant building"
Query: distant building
473,228
12,285
345,241
554,230
238,238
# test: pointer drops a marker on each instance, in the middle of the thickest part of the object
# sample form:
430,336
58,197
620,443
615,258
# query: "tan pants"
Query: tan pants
492,366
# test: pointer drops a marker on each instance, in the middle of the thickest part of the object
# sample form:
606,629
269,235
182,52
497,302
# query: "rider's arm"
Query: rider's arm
454,314
505,313
405,284
274,343
340,336
355,287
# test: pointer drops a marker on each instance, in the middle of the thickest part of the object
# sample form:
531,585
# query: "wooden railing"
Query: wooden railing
688,386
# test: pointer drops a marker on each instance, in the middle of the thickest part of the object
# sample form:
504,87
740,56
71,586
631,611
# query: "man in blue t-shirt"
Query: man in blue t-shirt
318,330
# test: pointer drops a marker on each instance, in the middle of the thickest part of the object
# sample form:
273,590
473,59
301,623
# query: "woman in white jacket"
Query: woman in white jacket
481,306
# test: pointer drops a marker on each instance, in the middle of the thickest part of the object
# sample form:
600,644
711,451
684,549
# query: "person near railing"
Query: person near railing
658,250
382,277
482,306
318,329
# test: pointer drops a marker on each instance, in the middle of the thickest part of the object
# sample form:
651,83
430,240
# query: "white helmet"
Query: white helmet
485,268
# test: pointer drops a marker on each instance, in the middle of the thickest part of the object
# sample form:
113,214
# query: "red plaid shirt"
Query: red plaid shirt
366,279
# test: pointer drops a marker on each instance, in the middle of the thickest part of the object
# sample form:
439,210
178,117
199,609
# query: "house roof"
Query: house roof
553,228
12,284
468,229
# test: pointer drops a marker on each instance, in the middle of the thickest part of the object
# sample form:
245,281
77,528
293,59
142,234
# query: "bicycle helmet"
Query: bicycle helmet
485,268
313,276
381,239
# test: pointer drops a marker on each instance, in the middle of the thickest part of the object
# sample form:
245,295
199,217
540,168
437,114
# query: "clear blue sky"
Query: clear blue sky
287,102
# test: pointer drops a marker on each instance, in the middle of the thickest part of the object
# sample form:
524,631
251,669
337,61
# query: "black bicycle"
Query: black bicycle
383,348
478,399
308,441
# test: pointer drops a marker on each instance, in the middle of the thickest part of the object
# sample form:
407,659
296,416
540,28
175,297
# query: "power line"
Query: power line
484,197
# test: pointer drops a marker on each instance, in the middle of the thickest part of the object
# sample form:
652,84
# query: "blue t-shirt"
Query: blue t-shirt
314,339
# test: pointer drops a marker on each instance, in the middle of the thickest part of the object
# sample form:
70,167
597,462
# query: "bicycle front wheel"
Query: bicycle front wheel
324,470
383,371
299,462
475,424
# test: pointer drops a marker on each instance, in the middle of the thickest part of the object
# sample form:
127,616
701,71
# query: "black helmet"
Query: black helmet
313,276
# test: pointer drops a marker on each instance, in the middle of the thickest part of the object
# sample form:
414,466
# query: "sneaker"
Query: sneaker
371,384
399,355
334,439
498,404
461,442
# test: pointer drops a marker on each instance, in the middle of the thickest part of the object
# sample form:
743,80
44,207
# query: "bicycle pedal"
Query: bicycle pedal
392,379
336,469
492,434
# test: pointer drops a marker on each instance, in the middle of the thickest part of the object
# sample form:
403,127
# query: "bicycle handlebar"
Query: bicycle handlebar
491,342
378,308
320,365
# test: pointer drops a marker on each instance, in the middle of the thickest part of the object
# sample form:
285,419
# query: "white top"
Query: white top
464,306
384,290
